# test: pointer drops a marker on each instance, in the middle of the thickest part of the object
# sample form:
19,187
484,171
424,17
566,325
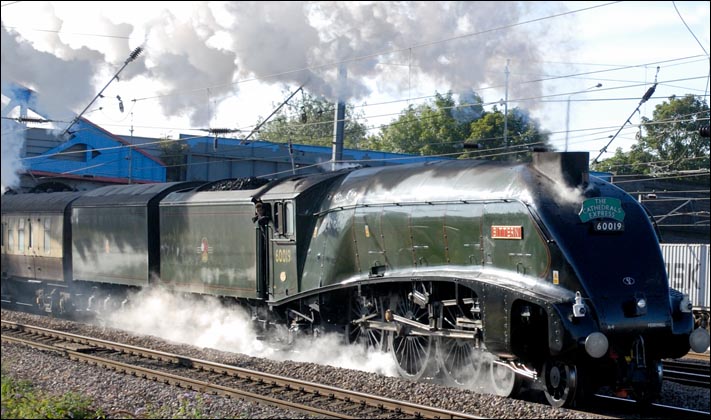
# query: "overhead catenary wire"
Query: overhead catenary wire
644,99
131,57
539,98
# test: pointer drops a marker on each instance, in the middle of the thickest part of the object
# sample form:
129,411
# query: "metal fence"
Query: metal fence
688,270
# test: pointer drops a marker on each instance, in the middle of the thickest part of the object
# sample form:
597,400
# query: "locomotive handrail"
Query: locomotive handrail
415,203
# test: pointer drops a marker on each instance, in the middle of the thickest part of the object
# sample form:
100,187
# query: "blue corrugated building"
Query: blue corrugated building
85,157
92,152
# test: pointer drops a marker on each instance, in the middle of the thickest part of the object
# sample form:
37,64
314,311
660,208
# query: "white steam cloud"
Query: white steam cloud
205,322
208,323
12,142
219,44
210,46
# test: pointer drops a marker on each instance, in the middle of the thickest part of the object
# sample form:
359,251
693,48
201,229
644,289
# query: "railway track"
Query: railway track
223,380
219,379
687,373
623,407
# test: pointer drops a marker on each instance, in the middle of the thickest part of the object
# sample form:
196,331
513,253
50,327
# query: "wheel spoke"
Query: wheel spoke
458,358
369,338
415,355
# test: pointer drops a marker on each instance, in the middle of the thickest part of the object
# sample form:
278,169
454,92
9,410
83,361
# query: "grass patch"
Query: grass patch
21,401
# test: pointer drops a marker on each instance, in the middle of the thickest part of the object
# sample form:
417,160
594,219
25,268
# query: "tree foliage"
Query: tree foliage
636,161
446,127
307,119
439,128
173,155
670,141
522,134
442,127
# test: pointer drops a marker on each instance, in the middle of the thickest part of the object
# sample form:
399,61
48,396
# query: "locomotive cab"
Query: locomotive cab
291,203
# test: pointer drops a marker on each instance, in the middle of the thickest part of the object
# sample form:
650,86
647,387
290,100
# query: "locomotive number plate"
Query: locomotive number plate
608,226
506,232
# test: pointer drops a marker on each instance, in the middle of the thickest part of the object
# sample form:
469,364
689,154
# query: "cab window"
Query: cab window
288,224
284,218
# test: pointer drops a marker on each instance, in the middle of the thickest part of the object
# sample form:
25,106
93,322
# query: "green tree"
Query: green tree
307,119
636,161
670,141
672,137
430,129
173,155
522,134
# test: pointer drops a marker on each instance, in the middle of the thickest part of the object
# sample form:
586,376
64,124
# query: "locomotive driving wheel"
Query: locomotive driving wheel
414,353
459,359
504,381
362,308
560,383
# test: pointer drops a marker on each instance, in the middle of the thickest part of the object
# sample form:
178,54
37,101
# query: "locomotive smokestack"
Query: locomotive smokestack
339,120
570,167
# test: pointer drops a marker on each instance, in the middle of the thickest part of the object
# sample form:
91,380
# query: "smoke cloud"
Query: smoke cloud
12,141
208,47
285,42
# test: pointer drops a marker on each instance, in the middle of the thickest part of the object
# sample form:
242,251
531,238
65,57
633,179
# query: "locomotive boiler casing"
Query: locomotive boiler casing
512,234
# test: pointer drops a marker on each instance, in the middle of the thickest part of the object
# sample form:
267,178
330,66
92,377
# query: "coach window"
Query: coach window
10,237
47,236
29,233
21,235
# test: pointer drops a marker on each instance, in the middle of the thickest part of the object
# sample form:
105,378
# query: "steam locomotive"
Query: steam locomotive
520,272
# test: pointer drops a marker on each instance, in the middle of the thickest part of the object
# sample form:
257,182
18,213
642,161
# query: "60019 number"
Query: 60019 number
608,226
282,255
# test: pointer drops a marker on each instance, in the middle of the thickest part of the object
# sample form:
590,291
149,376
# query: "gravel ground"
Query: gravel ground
125,396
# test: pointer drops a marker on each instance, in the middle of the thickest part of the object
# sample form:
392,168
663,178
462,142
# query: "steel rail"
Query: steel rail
330,392
180,381
687,373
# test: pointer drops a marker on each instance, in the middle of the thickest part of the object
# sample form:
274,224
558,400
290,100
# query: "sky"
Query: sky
226,64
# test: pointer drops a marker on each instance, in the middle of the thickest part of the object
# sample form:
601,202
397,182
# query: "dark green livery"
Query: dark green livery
462,269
